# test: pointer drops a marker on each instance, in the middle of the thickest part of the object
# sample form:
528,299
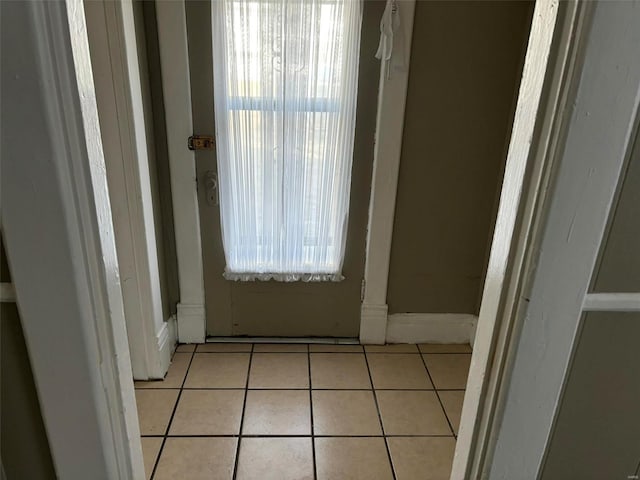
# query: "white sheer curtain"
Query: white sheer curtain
285,81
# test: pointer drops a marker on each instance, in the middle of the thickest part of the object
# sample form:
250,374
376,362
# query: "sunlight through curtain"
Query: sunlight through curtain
285,82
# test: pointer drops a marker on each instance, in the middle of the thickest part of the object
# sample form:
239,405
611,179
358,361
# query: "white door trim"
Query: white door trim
456,328
612,302
114,54
58,234
598,126
176,87
523,181
392,95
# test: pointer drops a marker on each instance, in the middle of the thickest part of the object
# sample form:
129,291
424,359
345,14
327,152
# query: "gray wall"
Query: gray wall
466,63
597,431
25,448
619,263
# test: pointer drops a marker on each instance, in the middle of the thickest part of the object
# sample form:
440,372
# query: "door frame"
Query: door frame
114,58
176,86
59,240
173,44
580,144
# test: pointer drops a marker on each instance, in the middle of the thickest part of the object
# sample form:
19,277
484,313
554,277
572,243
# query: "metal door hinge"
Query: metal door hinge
200,142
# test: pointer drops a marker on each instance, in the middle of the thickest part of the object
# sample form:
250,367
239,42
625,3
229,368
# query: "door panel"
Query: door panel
275,308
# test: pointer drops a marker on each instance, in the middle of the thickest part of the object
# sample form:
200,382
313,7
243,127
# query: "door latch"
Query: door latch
211,187
200,142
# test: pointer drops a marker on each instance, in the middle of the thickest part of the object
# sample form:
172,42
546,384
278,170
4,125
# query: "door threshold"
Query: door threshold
315,340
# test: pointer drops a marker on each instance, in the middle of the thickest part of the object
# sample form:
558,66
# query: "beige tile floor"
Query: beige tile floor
297,411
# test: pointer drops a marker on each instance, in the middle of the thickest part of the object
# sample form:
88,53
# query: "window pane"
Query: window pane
285,96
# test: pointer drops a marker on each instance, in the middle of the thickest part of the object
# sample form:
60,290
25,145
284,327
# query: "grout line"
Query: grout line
313,440
337,351
306,388
310,388
296,436
173,412
375,399
244,405
424,362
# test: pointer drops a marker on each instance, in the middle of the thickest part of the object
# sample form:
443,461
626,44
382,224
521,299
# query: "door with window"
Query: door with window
289,91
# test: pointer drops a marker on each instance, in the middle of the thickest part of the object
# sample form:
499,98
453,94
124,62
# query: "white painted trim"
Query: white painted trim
114,55
392,97
176,85
373,324
190,321
431,328
7,293
612,302
604,108
490,348
58,234
557,100
165,345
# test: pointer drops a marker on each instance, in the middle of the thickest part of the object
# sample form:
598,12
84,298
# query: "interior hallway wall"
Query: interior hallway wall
466,63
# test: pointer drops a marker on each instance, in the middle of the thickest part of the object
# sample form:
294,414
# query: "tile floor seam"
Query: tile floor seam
307,388
313,441
244,405
375,399
446,415
183,435
173,412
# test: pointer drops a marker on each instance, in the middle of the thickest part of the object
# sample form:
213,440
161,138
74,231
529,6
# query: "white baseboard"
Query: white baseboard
431,328
166,340
191,323
373,324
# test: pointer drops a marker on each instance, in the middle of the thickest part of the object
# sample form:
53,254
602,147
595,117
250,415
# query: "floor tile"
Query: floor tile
208,412
275,459
186,347
175,375
317,347
448,371
345,412
397,370
154,410
406,412
395,348
277,412
452,402
150,449
339,370
224,347
218,370
197,459
342,458
422,457
444,348
279,370
280,347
